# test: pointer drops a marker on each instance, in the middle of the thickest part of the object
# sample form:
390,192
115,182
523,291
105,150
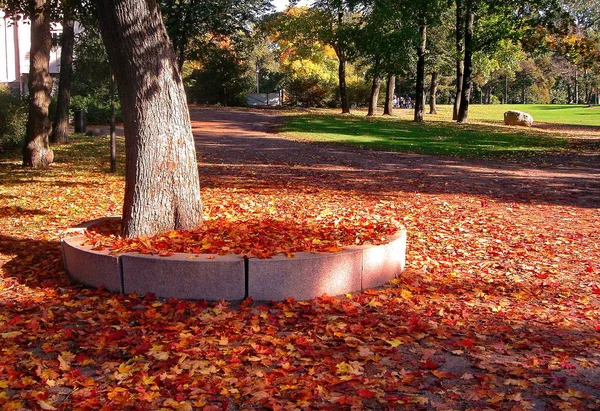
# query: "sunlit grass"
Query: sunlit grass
432,137
577,115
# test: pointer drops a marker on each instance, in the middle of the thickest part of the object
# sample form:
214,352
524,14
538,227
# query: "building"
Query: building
15,42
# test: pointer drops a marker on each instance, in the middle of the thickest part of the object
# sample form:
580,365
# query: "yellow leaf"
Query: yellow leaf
11,334
395,342
45,406
159,355
147,379
64,363
407,295
184,406
354,368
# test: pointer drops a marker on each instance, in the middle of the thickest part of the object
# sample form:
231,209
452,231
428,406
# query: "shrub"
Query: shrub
13,120
308,91
97,109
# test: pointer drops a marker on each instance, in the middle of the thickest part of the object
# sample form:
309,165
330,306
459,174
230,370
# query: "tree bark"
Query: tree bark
60,129
36,150
375,86
432,93
388,108
460,34
342,81
576,85
420,85
463,110
162,190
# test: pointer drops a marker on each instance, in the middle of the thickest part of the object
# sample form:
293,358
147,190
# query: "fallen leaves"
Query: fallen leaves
321,222
497,309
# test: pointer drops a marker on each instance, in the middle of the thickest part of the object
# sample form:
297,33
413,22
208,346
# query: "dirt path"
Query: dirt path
239,146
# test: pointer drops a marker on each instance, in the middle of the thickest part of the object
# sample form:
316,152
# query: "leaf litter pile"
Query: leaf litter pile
498,309
262,226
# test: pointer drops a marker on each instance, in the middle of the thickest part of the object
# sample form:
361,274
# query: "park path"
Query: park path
242,148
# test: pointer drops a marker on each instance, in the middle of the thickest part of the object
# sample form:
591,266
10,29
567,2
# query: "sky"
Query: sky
281,4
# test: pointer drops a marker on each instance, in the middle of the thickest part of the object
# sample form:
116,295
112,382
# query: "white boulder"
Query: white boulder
517,118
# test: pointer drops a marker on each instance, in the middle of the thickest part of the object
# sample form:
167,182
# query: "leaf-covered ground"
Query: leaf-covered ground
498,308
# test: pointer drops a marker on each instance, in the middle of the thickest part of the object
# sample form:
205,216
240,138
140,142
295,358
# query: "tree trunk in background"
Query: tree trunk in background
36,150
576,88
420,85
388,108
162,190
460,35
463,110
432,93
342,81
374,98
60,130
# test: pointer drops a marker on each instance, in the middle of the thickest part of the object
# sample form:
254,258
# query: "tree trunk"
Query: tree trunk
342,82
60,130
420,86
162,190
460,35
388,108
375,86
36,151
576,88
432,93
463,110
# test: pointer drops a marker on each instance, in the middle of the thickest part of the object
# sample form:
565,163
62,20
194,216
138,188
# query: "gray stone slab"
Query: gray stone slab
304,277
93,268
185,276
385,262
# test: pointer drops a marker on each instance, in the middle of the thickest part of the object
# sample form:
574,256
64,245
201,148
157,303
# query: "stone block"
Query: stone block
304,277
185,276
384,262
93,268
517,118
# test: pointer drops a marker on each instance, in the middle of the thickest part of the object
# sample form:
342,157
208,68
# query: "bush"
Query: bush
13,120
97,110
309,92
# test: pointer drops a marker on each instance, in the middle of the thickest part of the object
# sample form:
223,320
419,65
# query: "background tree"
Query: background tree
60,127
335,27
189,20
162,190
36,149
310,66
385,45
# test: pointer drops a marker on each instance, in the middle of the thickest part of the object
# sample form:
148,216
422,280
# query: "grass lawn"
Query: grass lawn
436,138
440,136
579,115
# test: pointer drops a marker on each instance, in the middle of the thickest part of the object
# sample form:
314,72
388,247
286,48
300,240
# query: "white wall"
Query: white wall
15,42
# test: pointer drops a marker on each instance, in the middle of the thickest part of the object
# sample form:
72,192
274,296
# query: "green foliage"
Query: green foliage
188,21
97,109
309,91
219,76
13,120
91,86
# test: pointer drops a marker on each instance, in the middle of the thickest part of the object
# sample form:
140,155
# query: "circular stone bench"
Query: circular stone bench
233,277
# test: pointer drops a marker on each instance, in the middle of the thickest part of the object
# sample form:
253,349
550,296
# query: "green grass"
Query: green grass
546,113
431,137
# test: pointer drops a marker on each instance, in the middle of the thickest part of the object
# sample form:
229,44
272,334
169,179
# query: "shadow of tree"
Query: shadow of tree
229,158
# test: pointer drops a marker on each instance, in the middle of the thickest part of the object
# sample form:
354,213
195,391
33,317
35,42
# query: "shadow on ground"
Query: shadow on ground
239,153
